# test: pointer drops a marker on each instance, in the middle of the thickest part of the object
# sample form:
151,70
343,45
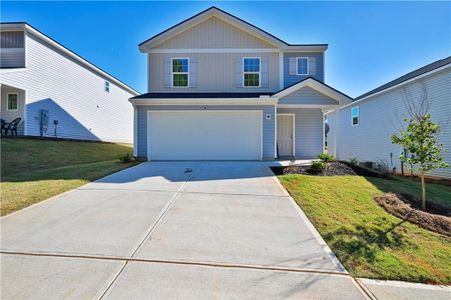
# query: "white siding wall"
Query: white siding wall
73,95
380,118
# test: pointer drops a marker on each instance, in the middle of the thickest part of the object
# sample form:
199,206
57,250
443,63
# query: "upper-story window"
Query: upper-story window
13,102
107,86
180,72
251,71
355,116
302,66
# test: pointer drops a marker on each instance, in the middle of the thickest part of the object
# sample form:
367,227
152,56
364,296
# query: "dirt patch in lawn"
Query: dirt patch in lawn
334,168
407,207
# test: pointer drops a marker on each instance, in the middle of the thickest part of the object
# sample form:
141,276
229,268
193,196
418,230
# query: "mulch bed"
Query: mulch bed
406,207
334,168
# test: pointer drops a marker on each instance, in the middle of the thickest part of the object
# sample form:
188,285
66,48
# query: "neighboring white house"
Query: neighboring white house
222,89
363,128
57,93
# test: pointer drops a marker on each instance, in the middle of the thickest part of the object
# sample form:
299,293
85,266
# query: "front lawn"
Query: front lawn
34,170
369,241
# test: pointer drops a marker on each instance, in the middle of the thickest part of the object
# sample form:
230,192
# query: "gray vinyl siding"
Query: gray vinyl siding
213,33
291,79
309,135
307,95
380,117
73,94
216,72
268,125
12,50
8,115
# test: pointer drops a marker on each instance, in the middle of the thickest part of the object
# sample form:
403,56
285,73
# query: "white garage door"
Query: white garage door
205,135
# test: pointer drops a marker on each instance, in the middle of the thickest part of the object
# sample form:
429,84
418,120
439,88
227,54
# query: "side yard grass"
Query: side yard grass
369,241
34,170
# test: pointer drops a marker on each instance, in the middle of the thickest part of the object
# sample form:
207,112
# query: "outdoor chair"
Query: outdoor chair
12,126
3,128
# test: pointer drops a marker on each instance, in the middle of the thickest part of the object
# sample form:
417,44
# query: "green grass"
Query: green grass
369,241
34,170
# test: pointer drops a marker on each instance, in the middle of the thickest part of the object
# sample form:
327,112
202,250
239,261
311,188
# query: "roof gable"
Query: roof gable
214,32
317,86
307,95
201,17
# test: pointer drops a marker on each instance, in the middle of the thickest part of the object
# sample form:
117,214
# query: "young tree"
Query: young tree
420,141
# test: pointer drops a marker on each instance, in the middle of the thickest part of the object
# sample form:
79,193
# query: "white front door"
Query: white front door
205,135
285,132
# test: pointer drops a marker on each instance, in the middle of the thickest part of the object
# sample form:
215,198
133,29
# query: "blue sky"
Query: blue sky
370,43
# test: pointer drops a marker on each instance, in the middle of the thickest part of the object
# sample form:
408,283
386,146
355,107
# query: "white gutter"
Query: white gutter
205,101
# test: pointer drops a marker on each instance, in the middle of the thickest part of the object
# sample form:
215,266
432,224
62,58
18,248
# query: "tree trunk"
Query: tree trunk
423,191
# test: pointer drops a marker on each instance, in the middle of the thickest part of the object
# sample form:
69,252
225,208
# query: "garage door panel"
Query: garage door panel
205,135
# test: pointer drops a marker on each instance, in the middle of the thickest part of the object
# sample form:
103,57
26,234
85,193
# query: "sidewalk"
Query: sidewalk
387,290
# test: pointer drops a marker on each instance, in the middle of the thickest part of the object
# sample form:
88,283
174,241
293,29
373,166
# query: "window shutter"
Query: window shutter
292,65
312,66
238,72
193,72
167,73
264,80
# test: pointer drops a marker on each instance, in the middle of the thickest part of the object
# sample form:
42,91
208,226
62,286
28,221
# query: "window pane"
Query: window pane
302,66
180,79
251,65
355,112
12,102
355,120
251,80
180,65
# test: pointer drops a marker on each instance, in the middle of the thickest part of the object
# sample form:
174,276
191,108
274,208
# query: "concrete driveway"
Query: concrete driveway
190,230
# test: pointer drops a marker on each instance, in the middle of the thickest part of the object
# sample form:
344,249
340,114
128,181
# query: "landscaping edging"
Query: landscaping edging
397,206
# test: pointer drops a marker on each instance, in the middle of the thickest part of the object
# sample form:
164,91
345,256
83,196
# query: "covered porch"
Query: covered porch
12,107
300,124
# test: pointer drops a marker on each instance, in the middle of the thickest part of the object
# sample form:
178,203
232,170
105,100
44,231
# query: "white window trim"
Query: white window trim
7,102
259,71
358,116
297,65
172,73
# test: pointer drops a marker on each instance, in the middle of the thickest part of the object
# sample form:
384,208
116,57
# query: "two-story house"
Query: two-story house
220,88
55,93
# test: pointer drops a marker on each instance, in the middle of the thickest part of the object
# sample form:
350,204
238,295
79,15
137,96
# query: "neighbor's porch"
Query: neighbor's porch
12,106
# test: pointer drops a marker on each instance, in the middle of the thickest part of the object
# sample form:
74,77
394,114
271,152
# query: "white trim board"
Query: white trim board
205,101
214,50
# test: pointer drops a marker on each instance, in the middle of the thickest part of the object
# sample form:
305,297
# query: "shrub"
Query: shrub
126,158
326,157
353,161
318,166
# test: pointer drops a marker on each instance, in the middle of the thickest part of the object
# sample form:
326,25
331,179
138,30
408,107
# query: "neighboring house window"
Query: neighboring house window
302,66
355,116
251,71
13,102
180,72
107,86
